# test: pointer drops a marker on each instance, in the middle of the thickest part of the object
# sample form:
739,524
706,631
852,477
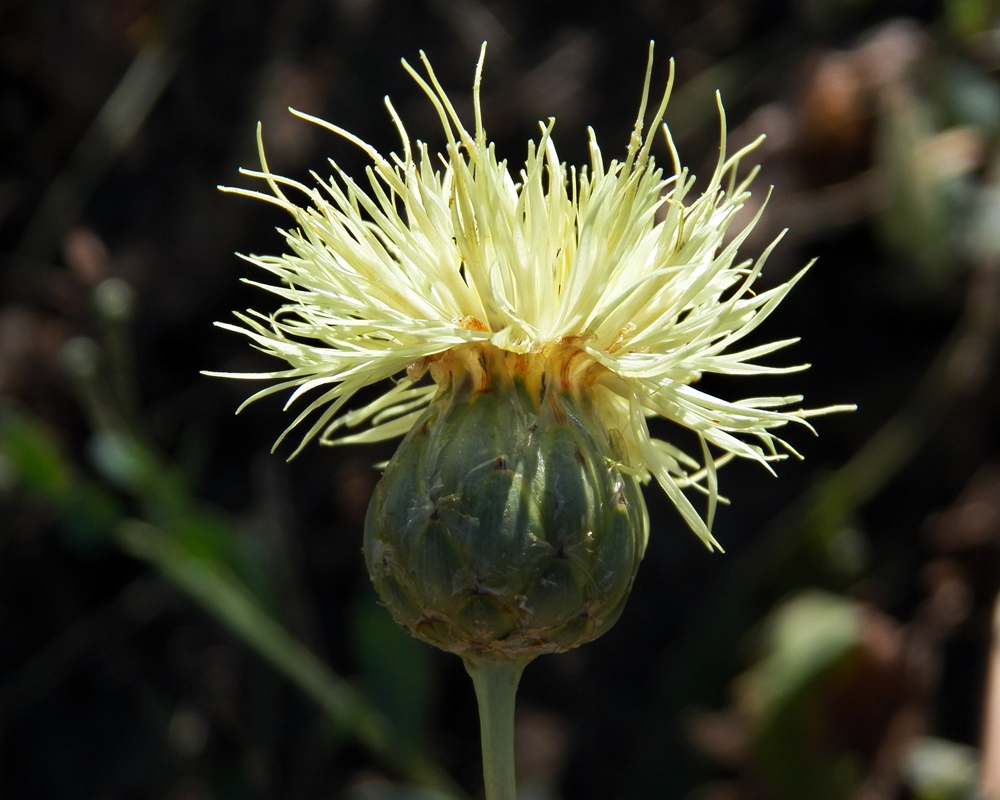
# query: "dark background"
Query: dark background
122,674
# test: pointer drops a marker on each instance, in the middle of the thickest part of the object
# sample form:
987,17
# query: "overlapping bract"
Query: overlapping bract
615,258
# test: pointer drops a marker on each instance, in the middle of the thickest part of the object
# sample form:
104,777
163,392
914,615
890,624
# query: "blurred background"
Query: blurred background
184,615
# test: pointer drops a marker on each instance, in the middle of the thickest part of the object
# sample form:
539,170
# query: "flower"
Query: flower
612,267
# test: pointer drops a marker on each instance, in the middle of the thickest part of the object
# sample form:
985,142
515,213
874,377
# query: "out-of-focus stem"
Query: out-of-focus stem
990,775
496,687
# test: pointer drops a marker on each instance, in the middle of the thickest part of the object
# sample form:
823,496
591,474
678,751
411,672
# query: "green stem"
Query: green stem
496,686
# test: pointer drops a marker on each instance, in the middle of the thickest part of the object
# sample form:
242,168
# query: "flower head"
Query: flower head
613,269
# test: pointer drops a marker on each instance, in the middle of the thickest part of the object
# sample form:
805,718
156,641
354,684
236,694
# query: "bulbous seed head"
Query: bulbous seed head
507,524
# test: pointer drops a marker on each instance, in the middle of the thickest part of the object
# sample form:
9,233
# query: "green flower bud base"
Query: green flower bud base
505,526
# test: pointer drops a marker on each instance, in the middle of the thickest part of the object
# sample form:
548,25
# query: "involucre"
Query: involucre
505,524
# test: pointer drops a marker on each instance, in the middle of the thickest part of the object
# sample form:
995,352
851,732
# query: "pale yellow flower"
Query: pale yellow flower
616,261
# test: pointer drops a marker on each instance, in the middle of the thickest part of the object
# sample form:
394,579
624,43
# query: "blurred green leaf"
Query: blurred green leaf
967,94
127,463
983,233
928,189
396,668
87,512
122,460
937,769
968,17
34,454
806,639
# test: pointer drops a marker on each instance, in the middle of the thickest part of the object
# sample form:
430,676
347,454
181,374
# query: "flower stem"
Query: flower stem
496,686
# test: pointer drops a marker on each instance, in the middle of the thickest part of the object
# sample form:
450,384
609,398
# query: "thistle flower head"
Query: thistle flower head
615,269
